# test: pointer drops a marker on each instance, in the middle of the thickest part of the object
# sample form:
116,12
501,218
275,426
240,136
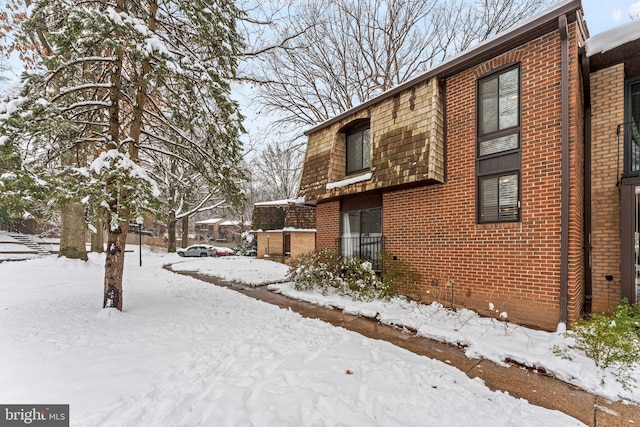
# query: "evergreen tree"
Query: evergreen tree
18,187
117,85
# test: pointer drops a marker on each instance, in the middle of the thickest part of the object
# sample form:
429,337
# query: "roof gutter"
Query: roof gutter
586,90
564,208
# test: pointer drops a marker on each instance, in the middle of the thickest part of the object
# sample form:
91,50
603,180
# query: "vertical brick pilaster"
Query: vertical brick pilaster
607,111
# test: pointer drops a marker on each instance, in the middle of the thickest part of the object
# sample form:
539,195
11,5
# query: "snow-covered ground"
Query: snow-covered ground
186,353
250,271
488,338
13,249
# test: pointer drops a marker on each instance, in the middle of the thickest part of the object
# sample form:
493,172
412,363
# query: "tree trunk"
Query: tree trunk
172,236
116,236
185,231
72,238
114,267
97,238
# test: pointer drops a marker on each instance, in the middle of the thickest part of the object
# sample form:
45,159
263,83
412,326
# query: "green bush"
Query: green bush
611,341
361,282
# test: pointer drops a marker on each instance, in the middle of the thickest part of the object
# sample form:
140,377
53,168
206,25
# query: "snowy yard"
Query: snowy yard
186,353
488,338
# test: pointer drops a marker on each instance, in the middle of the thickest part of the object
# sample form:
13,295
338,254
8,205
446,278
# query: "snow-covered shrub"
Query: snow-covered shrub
249,247
317,270
326,270
360,281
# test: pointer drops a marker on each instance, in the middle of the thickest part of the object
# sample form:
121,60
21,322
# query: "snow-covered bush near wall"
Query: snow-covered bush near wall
318,270
248,247
326,271
361,282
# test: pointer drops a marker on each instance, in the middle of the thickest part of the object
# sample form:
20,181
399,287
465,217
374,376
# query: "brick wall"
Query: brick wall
301,243
270,243
328,225
514,266
607,111
576,298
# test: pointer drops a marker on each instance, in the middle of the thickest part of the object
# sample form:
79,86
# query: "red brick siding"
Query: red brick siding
328,225
514,266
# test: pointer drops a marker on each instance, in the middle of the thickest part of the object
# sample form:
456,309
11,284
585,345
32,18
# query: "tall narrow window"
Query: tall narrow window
358,149
632,129
498,146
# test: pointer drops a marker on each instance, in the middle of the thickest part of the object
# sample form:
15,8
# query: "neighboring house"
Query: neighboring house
471,173
208,230
611,73
230,232
285,228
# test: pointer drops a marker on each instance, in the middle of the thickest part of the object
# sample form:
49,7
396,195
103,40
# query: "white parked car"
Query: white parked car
198,251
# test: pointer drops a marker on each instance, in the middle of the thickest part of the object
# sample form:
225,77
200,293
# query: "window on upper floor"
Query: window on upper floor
358,148
498,154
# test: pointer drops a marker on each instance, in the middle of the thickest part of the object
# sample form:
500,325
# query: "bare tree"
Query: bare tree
279,167
339,53
3,69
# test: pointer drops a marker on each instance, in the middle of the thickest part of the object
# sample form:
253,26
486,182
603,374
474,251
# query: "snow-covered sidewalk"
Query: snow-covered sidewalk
185,353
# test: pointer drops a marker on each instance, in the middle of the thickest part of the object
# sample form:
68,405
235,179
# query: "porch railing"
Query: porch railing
367,248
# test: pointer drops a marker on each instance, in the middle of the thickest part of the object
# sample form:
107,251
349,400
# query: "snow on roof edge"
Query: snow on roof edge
210,221
284,202
613,38
349,181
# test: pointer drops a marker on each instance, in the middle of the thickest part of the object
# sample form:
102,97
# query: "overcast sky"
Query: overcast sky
602,15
